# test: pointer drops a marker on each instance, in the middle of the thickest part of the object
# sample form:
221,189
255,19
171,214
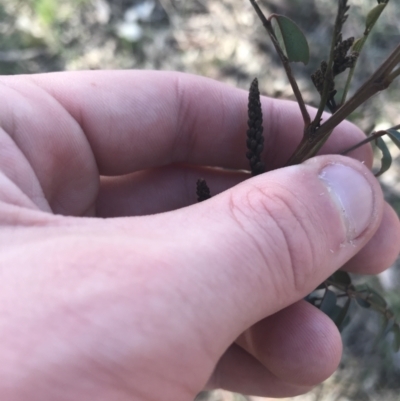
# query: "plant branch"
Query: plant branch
328,76
358,46
380,80
348,81
365,295
394,74
316,137
285,62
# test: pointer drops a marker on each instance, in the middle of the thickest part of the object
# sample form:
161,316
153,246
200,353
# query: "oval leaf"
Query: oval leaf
386,160
341,277
291,38
328,302
342,315
373,16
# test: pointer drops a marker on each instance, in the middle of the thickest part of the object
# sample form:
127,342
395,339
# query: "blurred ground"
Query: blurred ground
223,39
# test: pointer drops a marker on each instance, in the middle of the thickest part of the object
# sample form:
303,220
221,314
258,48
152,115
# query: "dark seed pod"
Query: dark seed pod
259,149
202,191
255,137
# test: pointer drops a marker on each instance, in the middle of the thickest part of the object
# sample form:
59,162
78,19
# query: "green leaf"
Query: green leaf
373,16
328,302
342,315
396,340
394,136
386,159
362,288
291,38
341,277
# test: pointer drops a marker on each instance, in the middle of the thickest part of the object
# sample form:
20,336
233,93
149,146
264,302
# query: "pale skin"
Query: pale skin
148,305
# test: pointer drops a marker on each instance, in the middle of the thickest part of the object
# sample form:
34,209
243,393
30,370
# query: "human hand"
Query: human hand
164,305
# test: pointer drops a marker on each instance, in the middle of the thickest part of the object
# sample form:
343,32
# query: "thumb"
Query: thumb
271,240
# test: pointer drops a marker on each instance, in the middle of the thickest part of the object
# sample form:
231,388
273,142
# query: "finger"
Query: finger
170,188
381,250
240,372
164,118
269,241
220,267
121,122
160,190
300,345
44,151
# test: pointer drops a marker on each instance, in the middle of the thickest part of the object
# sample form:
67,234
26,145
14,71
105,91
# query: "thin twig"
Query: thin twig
358,47
328,76
370,138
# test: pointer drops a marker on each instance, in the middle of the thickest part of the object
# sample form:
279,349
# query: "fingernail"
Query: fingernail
353,195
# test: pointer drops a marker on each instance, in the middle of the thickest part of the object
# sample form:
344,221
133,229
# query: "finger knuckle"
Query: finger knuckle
281,228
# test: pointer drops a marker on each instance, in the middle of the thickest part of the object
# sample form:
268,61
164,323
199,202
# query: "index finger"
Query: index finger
139,119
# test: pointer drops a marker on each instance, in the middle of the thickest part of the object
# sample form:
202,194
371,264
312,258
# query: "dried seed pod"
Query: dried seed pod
342,61
255,139
202,191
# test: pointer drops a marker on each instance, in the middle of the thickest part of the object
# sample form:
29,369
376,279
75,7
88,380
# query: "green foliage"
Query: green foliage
371,19
386,160
328,302
46,10
338,287
53,12
342,318
394,135
373,16
291,38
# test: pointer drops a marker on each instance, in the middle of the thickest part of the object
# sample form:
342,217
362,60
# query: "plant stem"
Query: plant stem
358,46
380,80
348,81
370,138
285,62
328,76
394,74
316,137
